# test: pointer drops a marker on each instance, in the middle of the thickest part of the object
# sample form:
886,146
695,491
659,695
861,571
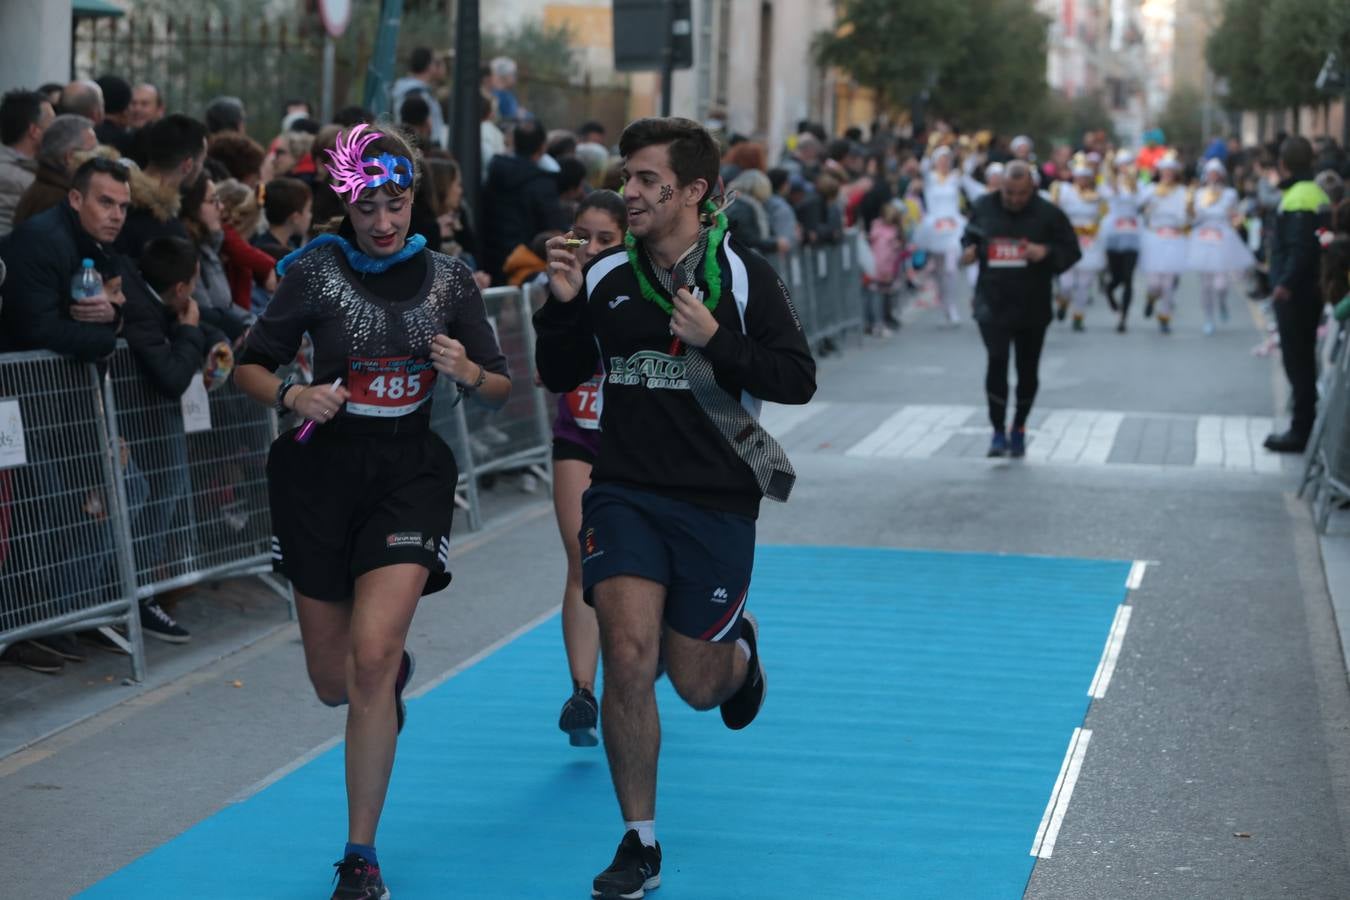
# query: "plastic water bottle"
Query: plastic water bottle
86,283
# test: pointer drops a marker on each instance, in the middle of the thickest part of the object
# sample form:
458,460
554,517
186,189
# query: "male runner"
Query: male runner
668,527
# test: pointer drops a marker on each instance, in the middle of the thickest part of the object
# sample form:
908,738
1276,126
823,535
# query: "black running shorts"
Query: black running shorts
347,503
703,556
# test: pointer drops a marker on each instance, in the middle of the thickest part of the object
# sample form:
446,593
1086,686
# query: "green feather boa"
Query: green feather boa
712,272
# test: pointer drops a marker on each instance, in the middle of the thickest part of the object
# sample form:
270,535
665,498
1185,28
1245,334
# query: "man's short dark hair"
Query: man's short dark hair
174,139
353,115
19,110
1296,153
116,94
837,149
528,137
562,145
415,111
167,261
98,165
571,173
588,127
777,178
283,198
693,152
224,114
420,59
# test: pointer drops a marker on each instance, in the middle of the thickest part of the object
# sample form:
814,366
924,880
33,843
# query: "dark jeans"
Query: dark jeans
999,341
1298,318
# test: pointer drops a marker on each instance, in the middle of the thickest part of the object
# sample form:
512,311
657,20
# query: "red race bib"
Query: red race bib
388,386
1006,253
1210,235
1126,225
944,225
584,404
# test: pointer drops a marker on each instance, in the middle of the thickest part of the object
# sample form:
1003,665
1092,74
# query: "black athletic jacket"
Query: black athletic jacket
1014,292
654,435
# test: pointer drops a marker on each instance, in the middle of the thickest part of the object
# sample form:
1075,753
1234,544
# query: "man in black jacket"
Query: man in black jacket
520,199
176,145
1021,242
668,526
1295,255
44,254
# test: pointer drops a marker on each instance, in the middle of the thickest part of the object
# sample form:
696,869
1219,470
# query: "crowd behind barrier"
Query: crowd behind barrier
1326,473
85,531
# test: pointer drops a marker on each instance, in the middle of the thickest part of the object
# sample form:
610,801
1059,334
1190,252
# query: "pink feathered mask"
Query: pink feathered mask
353,172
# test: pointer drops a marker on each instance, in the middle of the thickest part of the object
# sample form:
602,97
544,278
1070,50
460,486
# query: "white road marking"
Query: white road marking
1110,653
778,418
1046,835
1234,443
1136,576
914,432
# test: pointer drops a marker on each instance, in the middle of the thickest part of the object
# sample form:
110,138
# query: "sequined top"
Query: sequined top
360,336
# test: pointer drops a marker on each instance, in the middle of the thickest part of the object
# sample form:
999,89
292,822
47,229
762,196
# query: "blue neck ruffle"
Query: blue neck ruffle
368,265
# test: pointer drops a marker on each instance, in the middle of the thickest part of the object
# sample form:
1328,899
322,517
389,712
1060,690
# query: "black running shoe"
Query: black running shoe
63,645
405,674
635,871
158,624
358,880
741,707
32,657
579,716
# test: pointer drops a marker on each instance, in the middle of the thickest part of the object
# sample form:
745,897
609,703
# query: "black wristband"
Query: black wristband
280,402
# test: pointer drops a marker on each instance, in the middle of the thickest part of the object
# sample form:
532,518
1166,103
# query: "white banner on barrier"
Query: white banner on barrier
822,262
796,269
196,407
12,451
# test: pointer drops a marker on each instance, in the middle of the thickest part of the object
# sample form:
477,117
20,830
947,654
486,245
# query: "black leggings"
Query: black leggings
999,340
1120,263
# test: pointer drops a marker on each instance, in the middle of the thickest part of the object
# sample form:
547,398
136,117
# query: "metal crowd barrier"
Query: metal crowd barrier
825,281
519,435
1327,468
65,554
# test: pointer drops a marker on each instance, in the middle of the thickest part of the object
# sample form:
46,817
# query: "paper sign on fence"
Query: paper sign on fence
11,435
196,407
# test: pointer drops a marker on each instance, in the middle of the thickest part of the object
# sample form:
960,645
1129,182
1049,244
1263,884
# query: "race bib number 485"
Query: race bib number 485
388,386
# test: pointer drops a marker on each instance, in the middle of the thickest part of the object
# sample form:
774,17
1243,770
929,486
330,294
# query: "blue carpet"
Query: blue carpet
919,708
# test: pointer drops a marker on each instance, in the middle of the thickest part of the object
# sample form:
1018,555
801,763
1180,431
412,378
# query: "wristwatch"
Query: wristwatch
478,382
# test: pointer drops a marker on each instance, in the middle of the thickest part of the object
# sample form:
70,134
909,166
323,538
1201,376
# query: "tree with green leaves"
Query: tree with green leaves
1233,52
1182,118
982,62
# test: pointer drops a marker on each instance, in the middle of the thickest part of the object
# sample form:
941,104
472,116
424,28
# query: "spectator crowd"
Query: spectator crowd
185,217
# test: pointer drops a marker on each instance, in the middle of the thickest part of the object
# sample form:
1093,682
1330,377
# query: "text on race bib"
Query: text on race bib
1007,253
388,386
944,225
1127,224
1210,235
585,403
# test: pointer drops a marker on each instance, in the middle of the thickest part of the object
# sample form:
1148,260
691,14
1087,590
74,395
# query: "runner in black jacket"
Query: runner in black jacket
668,529
1022,242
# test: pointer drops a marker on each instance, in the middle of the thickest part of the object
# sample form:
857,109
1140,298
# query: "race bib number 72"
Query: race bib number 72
388,386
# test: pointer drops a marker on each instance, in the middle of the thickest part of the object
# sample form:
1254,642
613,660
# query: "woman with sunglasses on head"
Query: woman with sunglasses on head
600,223
362,494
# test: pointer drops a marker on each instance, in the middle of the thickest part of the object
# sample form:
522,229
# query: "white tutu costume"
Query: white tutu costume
1164,245
942,225
1214,245
1124,220
1085,210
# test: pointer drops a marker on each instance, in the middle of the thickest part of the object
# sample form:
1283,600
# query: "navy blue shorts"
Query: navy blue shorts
704,557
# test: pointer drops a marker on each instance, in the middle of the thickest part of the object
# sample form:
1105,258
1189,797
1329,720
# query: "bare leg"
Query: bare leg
629,610
386,599
703,673
581,635
325,632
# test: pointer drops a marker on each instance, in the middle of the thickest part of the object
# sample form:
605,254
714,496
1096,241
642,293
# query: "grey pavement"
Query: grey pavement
1219,764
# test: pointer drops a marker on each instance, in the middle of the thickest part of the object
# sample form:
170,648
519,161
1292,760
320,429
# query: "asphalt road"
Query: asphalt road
1219,762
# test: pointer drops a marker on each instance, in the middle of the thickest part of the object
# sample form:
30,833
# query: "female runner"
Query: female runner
1216,253
601,220
362,494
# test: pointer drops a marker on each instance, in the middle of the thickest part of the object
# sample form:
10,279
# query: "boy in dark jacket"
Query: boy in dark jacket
162,324
1294,260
